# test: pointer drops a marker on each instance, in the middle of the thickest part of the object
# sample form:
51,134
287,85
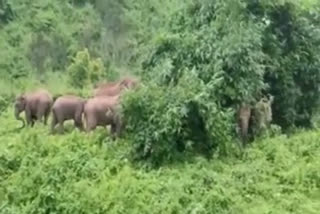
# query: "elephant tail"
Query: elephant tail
84,120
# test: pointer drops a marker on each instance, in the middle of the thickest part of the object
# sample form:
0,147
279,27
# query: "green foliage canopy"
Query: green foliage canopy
84,70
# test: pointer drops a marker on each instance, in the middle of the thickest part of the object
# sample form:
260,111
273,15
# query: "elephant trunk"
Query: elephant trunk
17,116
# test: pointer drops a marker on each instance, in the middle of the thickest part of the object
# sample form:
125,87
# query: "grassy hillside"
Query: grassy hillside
76,173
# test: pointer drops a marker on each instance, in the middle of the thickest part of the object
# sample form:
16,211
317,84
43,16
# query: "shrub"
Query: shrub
84,70
200,37
77,173
258,47
291,42
165,122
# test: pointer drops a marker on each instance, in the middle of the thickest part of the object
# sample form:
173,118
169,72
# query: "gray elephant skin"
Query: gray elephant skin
68,107
256,118
244,115
102,111
36,105
114,88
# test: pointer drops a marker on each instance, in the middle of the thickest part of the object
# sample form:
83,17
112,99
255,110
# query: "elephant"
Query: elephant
262,115
256,118
67,107
114,88
102,111
243,116
36,105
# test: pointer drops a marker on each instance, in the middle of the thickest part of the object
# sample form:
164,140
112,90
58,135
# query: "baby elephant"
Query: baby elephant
101,111
67,107
36,106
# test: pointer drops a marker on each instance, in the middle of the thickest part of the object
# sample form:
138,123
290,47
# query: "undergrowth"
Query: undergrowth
79,173
197,61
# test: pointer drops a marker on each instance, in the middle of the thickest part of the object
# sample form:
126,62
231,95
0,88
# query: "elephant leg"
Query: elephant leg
244,118
60,121
33,119
113,131
84,121
61,127
89,121
119,125
53,122
40,114
244,129
116,128
78,124
91,125
46,116
78,120
28,116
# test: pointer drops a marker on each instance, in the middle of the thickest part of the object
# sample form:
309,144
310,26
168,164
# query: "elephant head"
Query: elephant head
19,106
128,83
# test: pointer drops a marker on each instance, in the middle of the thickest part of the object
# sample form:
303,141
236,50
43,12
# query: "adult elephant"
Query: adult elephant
67,107
36,105
262,115
102,111
256,118
115,88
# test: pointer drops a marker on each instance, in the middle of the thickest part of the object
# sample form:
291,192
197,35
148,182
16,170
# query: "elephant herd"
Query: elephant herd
98,110
101,109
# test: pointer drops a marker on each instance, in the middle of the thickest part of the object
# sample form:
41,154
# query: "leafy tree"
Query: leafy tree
291,41
232,49
257,47
84,70
38,52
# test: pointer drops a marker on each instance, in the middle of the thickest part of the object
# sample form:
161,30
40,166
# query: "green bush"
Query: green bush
200,37
77,173
196,58
84,70
165,122
258,47
291,42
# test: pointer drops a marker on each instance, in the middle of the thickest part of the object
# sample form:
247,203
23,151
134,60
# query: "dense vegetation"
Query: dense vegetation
76,173
197,60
